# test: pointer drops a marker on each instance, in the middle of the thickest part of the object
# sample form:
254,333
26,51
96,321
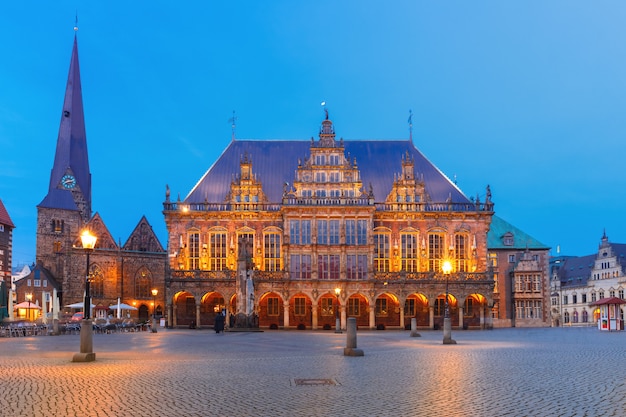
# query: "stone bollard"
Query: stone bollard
414,332
350,349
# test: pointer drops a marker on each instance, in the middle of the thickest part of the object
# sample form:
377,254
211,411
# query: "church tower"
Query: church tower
67,205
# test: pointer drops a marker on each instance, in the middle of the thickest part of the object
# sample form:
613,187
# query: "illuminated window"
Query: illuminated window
381,252
410,251
194,250
272,252
435,251
493,259
460,252
440,306
217,251
97,281
334,159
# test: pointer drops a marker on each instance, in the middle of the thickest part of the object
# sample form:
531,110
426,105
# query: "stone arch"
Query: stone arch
271,310
417,305
439,304
358,306
475,309
184,309
211,304
300,311
386,311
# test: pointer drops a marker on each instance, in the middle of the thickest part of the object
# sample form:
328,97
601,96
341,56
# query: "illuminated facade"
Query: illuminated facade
578,281
373,219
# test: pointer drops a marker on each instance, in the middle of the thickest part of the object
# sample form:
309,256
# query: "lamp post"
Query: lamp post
29,296
337,318
86,353
154,294
447,324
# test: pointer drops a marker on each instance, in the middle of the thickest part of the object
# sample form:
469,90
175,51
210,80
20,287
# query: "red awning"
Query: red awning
610,300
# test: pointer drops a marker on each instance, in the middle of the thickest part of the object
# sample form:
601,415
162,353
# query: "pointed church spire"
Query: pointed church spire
70,179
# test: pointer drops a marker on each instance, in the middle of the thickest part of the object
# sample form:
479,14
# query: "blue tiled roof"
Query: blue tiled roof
275,162
521,240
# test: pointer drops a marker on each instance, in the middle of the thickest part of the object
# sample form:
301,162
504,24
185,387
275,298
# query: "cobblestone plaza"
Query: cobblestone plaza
504,372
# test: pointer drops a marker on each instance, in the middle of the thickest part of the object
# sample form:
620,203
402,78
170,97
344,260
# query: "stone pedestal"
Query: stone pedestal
350,349
337,325
447,332
86,353
414,332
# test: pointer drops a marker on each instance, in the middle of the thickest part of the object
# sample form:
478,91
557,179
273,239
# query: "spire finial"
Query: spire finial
76,22
233,124
410,125
323,103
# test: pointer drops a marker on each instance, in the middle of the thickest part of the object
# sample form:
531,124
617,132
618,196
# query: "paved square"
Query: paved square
503,372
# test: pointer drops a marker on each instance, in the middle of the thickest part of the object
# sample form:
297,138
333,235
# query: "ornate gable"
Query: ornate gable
327,173
143,239
245,188
98,228
406,188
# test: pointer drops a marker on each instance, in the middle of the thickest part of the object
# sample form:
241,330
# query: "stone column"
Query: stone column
401,317
431,317
197,315
314,317
286,315
174,319
482,316
372,317
342,310
350,349
461,311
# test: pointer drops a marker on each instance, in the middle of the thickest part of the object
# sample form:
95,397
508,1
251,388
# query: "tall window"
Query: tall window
435,252
327,307
356,267
272,306
300,266
361,232
299,306
350,232
469,307
97,282
381,307
328,266
322,232
272,252
194,250
410,251
381,252
246,237
300,232
354,305
409,307
143,278
333,232
460,252
217,251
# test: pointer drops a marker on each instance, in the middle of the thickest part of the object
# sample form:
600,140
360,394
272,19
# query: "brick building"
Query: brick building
6,257
129,271
334,228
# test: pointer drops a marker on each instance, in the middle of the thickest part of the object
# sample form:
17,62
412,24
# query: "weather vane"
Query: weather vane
76,22
411,125
323,103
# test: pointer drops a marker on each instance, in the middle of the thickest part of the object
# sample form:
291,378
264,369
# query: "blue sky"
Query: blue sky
526,96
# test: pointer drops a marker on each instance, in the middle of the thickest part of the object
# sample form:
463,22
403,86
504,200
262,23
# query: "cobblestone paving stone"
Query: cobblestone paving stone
504,372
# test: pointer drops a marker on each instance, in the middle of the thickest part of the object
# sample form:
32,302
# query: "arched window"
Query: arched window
143,279
410,251
585,316
96,277
460,251
575,316
566,320
381,252
436,251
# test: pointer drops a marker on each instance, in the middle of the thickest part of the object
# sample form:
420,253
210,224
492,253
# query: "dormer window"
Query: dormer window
507,239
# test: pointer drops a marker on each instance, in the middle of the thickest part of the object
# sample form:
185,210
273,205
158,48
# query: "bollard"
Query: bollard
350,349
414,332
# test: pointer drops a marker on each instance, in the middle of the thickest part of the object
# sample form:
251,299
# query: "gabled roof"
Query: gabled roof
71,151
5,219
143,238
99,229
274,163
521,240
576,271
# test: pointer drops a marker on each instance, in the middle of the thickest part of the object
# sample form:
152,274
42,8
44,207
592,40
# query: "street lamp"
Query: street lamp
337,318
86,353
446,268
154,294
29,297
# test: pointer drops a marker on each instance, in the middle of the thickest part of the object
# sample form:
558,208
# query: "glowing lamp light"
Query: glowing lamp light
446,267
88,240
